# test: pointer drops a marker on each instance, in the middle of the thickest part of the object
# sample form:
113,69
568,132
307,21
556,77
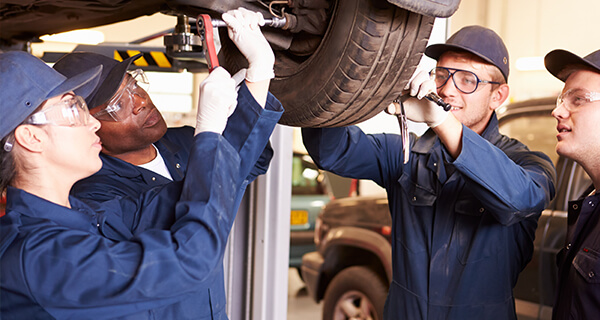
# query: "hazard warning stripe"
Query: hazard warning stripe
150,58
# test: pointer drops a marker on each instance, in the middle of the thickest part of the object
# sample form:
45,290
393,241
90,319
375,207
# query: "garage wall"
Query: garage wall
532,28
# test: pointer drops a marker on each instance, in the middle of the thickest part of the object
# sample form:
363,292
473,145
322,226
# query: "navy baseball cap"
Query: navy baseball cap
557,61
113,72
477,40
27,82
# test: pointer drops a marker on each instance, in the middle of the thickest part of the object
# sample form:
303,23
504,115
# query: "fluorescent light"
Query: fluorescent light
76,36
530,64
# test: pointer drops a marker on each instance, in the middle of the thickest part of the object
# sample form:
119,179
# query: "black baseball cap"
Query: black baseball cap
557,61
477,40
112,75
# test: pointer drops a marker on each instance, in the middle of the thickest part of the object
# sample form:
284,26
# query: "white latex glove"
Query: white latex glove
420,109
218,99
243,27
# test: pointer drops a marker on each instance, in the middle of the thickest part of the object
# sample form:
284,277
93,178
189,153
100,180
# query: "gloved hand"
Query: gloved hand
218,99
243,27
418,108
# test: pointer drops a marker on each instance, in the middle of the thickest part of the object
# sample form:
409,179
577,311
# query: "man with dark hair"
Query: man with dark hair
465,205
140,153
578,115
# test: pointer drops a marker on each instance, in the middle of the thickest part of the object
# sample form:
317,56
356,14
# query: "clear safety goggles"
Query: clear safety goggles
120,106
572,99
68,112
465,81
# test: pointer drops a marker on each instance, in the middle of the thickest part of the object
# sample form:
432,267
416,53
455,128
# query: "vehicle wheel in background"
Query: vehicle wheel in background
363,61
355,293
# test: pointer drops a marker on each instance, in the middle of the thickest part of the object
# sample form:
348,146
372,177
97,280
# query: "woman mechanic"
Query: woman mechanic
61,258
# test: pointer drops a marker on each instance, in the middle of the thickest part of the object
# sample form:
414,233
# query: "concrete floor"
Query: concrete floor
300,305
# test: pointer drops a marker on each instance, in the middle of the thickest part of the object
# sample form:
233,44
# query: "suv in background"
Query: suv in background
351,269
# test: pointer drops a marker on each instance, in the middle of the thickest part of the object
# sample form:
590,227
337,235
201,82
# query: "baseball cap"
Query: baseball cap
27,82
477,40
113,72
557,61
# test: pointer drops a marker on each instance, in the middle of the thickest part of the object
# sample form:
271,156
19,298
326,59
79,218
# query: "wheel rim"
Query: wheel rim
354,305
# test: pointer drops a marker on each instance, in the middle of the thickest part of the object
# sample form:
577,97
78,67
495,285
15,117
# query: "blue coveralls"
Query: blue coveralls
578,294
112,260
120,178
248,130
462,229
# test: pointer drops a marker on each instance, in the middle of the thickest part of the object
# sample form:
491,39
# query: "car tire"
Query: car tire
355,293
367,55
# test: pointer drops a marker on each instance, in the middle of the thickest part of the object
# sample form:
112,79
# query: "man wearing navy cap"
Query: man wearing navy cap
578,115
139,152
466,203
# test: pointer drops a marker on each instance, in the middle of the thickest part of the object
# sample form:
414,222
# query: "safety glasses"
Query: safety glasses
573,99
69,112
465,81
119,107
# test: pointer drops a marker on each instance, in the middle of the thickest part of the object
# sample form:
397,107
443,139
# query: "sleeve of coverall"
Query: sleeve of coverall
349,152
514,184
248,130
155,267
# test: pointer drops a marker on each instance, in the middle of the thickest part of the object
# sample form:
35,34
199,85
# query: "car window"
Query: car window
536,130
306,177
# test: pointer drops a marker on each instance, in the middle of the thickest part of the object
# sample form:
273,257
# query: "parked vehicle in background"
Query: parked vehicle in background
351,268
338,62
312,189
310,193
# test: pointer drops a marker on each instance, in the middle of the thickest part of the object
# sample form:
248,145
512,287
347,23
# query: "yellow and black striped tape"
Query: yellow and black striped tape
150,58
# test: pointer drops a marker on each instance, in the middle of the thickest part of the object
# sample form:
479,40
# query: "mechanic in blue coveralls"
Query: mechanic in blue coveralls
139,152
577,113
466,204
61,258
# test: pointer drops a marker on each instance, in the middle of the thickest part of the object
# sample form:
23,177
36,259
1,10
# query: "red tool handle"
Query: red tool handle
208,41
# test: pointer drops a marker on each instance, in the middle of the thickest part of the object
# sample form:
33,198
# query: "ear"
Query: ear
499,96
30,137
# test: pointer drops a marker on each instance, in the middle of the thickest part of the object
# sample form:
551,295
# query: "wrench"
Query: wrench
397,109
205,25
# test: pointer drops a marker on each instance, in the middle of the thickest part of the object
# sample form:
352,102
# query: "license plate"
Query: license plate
299,217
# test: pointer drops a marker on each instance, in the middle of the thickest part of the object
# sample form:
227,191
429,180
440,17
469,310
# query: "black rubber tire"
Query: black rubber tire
357,281
368,53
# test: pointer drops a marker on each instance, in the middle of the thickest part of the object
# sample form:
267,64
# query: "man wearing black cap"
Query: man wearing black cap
578,115
466,203
140,153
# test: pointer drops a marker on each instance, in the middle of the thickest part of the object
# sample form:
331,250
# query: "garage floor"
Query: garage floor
300,305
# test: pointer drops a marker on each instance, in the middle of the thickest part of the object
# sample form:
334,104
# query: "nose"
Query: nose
94,124
139,100
448,89
560,111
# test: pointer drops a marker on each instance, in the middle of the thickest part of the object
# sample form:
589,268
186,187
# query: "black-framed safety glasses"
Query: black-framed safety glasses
465,81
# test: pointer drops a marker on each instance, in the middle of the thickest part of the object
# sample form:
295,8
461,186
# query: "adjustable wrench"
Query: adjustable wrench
396,108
